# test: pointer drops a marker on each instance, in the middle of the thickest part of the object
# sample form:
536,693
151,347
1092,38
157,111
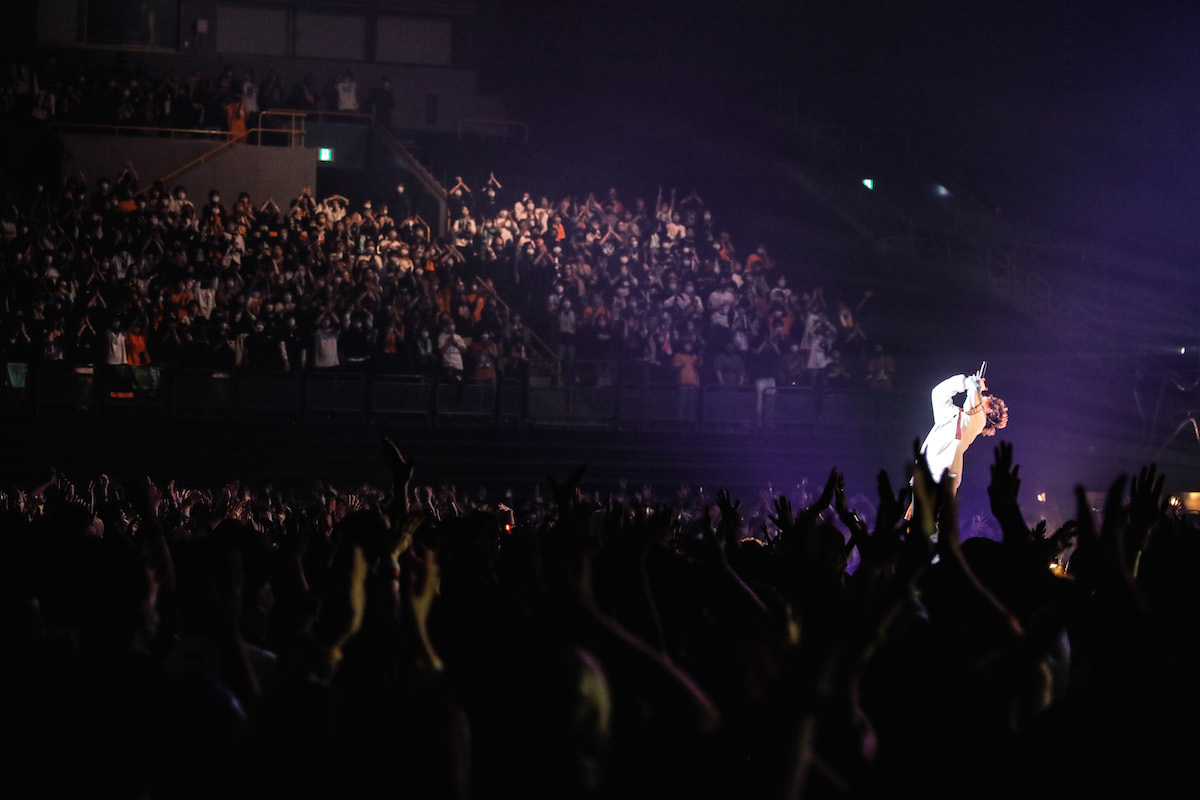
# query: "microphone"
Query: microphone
982,369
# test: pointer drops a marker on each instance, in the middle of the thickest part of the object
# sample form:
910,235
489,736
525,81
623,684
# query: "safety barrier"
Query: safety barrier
47,389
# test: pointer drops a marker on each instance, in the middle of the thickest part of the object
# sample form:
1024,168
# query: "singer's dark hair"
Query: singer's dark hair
997,416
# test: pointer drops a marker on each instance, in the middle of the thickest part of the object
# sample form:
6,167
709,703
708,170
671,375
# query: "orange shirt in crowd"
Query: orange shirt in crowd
685,367
138,354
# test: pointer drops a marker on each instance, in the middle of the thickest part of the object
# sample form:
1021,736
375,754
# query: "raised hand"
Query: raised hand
823,502
1098,560
421,578
925,496
402,472
839,493
891,504
783,518
1006,479
849,516
153,497
1003,490
343,607
566,492
878,551
569,544
351,504
1147,506
923,527
730,525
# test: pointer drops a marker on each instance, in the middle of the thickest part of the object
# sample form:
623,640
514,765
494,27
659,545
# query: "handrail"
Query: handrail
195,162
428,178
120,130
431,183
302,114
547,353
321,115
100,389
292,130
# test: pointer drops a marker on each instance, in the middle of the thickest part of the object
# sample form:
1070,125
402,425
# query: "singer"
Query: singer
955,427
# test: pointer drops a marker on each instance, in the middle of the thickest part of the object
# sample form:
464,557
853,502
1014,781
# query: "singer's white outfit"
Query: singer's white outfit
953,427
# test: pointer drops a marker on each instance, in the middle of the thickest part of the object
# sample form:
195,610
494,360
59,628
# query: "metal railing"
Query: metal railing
600,395
116,129
545,357
203,157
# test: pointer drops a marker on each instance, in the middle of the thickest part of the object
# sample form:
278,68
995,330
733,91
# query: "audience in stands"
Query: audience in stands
256,286
639,278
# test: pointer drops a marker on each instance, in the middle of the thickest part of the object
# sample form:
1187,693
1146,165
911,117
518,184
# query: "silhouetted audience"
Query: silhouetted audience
171,641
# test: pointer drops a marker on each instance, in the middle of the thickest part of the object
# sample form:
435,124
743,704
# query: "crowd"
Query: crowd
76,89
664,292
109,275
169,641
111,270
135,277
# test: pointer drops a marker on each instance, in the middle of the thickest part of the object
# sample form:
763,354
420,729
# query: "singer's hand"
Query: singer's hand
982,385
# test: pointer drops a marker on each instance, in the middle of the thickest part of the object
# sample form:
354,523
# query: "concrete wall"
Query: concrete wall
430,97
278,172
